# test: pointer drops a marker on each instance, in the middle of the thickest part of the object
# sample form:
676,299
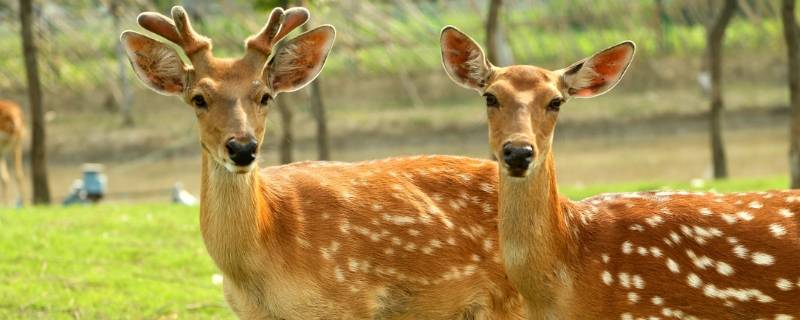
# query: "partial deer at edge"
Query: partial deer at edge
12,130
646,255
401,238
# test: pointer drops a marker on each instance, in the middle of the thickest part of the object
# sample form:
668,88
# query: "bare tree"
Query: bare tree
124,94
41,188
790,33
716,32
493,31
318,111
287,137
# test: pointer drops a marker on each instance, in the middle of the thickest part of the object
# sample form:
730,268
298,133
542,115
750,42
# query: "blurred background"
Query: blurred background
383,91
707,104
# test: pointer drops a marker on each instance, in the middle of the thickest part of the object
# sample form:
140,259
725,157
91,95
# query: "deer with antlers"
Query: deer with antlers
650,255
12,129
401,238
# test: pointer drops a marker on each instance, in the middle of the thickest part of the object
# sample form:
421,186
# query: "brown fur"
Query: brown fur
12,129
651,255
404,238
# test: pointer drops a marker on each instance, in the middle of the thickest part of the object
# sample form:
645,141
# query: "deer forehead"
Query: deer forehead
523,84
524,77
230,71
227,85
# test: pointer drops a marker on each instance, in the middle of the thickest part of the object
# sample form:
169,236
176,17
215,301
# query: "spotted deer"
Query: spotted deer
647,255
401,238
12,129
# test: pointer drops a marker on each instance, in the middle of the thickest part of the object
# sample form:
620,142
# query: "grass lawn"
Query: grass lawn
146,261
106,262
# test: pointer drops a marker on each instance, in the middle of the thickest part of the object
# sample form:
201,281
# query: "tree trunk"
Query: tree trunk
716,33
124,96
790,34
286,130
41,189
318,111
492,31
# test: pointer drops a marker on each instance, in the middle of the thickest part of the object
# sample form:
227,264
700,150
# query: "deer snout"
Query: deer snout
517,157
242,151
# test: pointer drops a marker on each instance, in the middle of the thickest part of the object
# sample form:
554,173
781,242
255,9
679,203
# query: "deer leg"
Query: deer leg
19,175
4,180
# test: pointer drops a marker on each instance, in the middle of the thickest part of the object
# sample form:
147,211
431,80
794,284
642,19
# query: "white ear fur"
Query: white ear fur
599,73
463,59
156,64
299,61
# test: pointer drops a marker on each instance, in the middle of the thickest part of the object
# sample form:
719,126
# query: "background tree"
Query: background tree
790,33
123,94
41,188
715,35
318,111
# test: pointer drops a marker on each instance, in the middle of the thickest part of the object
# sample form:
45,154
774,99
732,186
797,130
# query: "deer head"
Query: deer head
230,97
523,101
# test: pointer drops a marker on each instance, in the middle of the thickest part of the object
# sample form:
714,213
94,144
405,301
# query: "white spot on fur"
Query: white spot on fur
673,266
744,215
763,259
654,220
633,297
607,278
694,281
636,227
729,218
627,247
724,268
657,300
786,213
337,273
638,282
740,251
784,284
624,280
655,251
777,230
605,258
755,205
487,245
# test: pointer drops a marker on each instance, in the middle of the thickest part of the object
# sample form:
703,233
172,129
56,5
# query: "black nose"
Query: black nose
517,158
242,153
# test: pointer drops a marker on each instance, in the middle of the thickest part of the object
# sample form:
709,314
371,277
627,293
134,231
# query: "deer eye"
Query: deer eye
265,100
555,104
491,100
199,101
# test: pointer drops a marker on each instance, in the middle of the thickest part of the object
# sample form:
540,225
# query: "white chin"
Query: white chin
232,168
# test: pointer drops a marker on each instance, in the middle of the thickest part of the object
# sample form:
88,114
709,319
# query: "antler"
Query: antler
280,23
178,30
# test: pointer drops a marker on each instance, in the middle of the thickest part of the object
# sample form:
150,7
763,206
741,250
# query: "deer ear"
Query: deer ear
156,64
599,73
463,59
298,61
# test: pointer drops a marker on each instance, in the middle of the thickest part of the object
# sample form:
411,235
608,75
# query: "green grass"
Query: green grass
106,262
760,184
147,261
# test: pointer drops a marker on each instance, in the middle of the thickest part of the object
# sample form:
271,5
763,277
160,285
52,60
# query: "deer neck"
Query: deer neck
234,216
534,237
